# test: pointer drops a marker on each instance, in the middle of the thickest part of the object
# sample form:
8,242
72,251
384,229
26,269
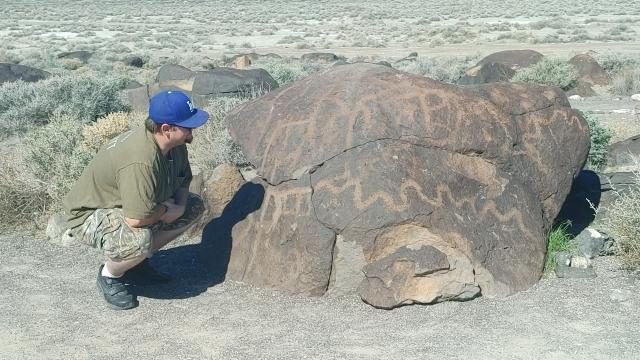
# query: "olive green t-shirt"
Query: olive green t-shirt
128,172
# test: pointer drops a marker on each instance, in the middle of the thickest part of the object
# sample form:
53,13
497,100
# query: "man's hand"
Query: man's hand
174,211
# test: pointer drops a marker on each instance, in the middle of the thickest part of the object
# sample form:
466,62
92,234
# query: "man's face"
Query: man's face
181,135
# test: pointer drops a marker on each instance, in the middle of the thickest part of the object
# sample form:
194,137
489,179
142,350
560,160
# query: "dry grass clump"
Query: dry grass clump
624,222
96,134
626,82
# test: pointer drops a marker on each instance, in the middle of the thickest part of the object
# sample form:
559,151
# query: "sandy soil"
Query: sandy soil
51,309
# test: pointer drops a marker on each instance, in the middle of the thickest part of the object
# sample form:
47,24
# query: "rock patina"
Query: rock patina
401,188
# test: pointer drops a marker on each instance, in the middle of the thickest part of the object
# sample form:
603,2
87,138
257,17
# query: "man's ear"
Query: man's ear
165,127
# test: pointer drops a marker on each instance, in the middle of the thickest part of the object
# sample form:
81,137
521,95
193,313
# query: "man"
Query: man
133,197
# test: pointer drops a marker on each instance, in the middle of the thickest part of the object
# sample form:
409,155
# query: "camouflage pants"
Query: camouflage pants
107,230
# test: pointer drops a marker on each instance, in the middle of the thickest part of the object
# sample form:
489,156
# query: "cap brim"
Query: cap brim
198,119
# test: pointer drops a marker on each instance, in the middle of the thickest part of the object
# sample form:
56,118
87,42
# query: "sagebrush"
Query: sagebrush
25,105
623,219
549,71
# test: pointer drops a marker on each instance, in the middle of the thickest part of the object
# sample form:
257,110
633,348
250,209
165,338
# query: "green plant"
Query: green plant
549,71
559,240
624,222
84,97
445,69
55,156
286,71
600,137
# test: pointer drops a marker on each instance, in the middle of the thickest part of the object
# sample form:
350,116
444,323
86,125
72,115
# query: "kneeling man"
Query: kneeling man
133,197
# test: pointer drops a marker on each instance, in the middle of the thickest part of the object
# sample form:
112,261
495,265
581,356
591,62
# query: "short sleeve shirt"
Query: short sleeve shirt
128,172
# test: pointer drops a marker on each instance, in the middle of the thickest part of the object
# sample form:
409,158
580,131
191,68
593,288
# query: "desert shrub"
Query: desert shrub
55,156
615,63
83,97
559,240
624,222
600,137
286,71
626,82
22,197
549,71
445,69
212,145
96,134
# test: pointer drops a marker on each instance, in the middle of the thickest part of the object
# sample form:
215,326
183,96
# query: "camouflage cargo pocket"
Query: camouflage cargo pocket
107,230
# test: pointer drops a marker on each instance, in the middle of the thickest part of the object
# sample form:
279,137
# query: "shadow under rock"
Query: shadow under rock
195,268
577,208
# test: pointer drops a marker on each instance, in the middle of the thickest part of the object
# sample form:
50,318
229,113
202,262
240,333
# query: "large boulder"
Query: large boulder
175,76
514,59
402,188
486,73
14,72
589,71
230,82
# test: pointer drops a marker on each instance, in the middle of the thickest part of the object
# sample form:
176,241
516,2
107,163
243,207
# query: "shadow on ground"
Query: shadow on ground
195,268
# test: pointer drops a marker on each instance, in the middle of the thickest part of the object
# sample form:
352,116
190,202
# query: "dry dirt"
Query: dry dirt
51,309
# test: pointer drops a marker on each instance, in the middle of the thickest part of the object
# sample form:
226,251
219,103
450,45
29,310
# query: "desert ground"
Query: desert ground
51,308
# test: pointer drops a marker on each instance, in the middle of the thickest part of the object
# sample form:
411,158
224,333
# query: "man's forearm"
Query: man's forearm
158,212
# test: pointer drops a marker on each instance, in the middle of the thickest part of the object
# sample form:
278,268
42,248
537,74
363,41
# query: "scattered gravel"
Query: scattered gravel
51,309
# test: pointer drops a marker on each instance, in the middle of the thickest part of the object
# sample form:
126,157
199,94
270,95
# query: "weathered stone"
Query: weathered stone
230,82
57,232
486,73
635,97
217,188
389,160
572,266
514,59
590,243
13,72
253,57
282,245
137,97
80,55
171,75
242,62
576,97
622,155
589,71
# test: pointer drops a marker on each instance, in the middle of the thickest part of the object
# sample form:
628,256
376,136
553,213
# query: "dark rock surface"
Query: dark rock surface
514,59
386,161
13,72
589,71
487,73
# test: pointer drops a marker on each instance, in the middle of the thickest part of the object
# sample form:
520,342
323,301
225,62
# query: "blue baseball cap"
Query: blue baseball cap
175,108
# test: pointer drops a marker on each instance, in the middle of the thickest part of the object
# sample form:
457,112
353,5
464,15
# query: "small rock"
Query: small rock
635,97
57,231
573,266
590,243
575,97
